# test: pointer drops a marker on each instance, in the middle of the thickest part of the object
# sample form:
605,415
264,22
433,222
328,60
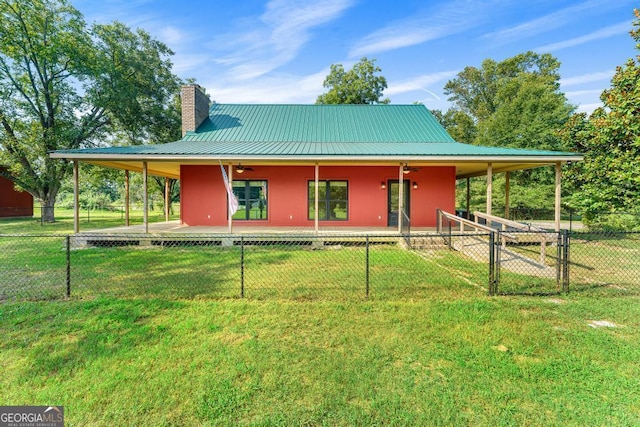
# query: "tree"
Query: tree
515,103
64,85
359,85
458,124
479,92
608,180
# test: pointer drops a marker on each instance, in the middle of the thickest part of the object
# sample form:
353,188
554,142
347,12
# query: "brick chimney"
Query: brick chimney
195,107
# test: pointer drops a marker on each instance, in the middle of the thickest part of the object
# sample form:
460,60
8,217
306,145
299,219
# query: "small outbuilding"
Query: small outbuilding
13,203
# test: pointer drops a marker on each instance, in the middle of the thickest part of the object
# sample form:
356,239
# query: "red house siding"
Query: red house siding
203,196
436,190
12,202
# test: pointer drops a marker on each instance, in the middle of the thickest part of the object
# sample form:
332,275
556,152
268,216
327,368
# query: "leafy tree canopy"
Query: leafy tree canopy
458,124
66,85
360,85
513,103
480,91
608,179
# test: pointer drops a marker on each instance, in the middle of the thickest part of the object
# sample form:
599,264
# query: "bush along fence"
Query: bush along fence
310,266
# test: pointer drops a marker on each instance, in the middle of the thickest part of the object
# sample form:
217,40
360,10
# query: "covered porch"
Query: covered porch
411,174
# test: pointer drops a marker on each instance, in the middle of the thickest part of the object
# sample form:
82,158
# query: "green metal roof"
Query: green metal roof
320,123
290,131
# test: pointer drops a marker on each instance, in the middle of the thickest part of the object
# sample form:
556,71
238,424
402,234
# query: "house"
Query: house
13,203
314,165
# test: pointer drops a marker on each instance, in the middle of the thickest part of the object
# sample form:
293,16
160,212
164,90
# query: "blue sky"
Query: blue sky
279,51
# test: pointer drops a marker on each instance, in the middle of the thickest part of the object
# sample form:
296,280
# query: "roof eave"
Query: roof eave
563,157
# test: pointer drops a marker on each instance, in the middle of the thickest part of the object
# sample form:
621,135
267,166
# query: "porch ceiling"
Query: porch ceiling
465,168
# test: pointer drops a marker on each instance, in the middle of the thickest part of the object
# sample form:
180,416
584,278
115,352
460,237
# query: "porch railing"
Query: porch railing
446,220
505,224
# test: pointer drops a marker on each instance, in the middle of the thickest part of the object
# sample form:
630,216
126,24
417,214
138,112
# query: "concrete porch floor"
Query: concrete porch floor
174,227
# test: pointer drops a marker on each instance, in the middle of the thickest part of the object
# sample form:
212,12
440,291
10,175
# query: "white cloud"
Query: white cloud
419,83
588,108
577,93
610,31
280,89
455,17
587,78
171,35
185,63
276,36
544,23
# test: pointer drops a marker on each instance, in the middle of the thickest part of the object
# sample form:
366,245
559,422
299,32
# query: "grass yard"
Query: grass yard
89,220
457,358
159,336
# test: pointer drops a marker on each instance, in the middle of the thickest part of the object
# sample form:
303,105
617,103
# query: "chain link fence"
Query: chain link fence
603,221
212,266
529,262
95,216
315,267
33,266
602,260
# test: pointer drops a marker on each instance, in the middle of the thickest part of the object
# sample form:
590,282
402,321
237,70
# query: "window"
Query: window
333,200
252,199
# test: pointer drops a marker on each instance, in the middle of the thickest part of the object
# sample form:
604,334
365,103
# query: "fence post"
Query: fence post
498,262
565,260
543,248
450,242
367,265
68,241
571,219
491,264
559,260
241,266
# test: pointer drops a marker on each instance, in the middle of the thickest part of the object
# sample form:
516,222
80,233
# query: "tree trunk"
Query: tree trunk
47,206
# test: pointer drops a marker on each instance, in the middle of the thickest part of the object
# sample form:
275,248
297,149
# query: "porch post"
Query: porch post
166,199
316,195
468,197
230,219
76,201
506,194
126,198
558,195
489,187
145,197
400,197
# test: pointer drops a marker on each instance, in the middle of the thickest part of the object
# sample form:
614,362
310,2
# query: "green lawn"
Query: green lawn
89,220
159,336
456,358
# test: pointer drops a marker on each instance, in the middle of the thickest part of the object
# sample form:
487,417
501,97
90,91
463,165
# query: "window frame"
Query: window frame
327,199
243,201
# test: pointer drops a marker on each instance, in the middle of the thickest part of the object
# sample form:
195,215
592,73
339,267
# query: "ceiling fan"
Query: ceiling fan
406,169
241,169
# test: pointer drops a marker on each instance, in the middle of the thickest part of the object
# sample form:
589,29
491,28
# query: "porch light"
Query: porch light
239,169
406,169
415,185
383,185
